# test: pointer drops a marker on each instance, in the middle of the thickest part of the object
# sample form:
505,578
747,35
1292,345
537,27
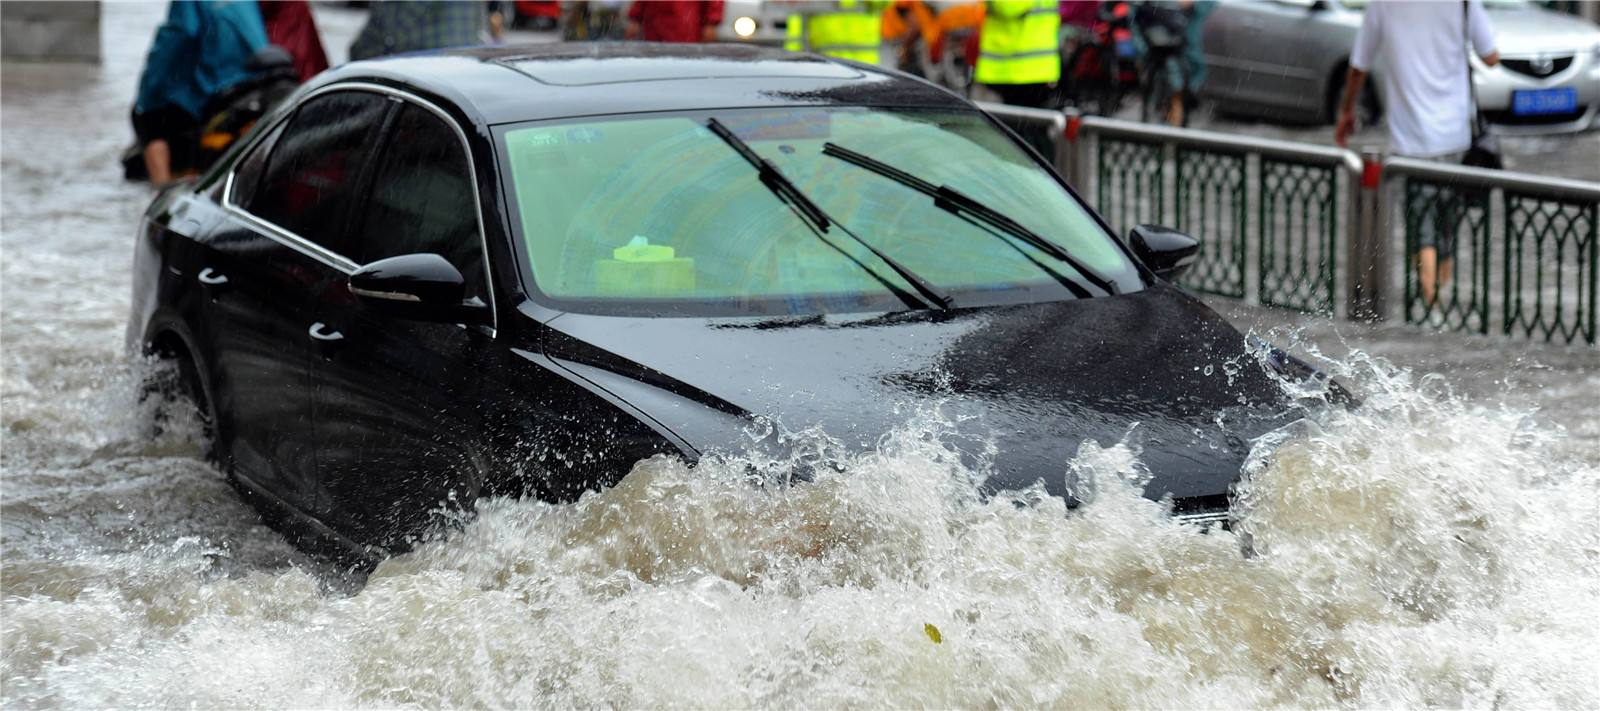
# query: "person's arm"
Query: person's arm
1353,81
1482,34
1362,56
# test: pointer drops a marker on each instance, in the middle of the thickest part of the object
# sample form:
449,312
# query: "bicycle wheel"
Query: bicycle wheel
1108,99
1187,98
1109,90
1156,106
1070,86
1154,95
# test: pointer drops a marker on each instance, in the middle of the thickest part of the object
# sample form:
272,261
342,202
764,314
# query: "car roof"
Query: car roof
505,84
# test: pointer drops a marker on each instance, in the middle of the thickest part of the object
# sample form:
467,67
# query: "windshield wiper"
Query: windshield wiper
956,202
812,213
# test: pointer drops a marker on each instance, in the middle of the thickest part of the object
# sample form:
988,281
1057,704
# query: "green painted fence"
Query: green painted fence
1522,251
1285,224
1286,255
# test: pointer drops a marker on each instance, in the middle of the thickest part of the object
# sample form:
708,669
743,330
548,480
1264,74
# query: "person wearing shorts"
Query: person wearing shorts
1424,47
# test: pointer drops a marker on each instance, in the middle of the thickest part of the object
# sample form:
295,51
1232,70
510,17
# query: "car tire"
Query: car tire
177,383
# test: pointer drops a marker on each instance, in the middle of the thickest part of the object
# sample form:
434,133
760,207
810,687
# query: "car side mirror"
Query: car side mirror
1318,6
1166,251
418,287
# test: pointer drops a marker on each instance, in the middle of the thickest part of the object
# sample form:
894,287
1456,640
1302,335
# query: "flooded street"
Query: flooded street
1440,546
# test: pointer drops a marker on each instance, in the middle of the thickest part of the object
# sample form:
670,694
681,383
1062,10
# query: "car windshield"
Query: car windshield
657,214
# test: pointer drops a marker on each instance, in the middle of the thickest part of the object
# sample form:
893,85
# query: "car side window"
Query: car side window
421,200
248,174
310,177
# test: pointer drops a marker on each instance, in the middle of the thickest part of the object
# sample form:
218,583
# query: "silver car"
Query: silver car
1286,59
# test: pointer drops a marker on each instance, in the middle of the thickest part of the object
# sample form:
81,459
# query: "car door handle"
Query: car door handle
212,277
319,331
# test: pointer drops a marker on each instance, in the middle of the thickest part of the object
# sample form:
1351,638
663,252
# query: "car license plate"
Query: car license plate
1536,102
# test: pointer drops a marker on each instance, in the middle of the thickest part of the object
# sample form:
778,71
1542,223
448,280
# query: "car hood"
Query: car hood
1529,30
1029,384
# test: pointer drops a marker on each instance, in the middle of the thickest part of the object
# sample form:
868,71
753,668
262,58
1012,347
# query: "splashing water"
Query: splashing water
1419,551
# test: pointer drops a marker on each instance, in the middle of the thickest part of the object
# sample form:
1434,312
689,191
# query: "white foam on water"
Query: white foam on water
1419,551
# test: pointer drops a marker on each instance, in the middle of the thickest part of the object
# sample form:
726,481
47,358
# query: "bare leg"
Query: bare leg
1427,271
1175,110
158,162
1446,268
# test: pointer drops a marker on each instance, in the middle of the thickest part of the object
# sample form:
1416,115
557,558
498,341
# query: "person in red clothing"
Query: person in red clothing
675,20
289,25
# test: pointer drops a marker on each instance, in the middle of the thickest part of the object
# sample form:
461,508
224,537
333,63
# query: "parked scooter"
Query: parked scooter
228,115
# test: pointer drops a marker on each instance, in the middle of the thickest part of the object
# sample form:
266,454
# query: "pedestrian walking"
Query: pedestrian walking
1019,51
674,21
201,50
394,27
847,29
1428,101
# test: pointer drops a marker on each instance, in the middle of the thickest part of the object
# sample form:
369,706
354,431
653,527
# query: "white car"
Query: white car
1287,59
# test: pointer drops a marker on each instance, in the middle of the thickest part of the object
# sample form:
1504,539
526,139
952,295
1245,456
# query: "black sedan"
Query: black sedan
519,271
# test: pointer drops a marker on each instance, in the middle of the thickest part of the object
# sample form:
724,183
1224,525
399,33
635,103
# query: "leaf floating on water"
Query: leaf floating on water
933,633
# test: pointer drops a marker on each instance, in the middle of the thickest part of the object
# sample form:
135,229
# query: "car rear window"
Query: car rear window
655,214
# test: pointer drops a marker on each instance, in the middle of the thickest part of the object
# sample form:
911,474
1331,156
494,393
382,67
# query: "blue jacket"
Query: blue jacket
199,51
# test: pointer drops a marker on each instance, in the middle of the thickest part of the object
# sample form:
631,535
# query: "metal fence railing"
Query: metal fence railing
1270,212
1525,249
1297,228
1285,223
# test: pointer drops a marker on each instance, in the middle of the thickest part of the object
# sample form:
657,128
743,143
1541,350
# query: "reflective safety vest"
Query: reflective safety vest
1020,44
853,30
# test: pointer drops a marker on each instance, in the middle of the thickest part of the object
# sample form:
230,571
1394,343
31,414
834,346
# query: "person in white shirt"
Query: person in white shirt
1423,48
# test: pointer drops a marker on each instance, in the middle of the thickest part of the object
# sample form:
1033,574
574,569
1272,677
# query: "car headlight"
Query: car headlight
745,27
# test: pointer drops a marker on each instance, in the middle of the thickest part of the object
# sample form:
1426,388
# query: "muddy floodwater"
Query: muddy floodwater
1438,547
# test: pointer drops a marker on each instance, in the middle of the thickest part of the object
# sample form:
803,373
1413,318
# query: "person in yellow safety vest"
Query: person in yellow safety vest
1019,51
847,29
